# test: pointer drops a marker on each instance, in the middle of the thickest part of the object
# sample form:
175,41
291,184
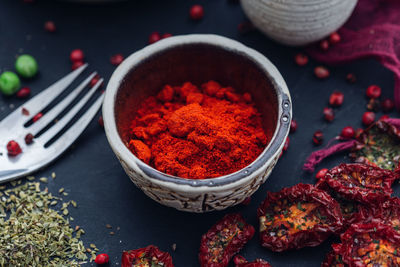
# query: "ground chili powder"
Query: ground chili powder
198,133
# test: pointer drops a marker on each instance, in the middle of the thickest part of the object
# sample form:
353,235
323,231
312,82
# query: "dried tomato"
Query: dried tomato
370,244
379,145
360,182
224,240
350,209
242,262
148,256
333,260
298,216
387,212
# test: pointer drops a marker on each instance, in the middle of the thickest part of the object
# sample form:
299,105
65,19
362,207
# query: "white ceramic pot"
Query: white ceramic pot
197,58
298,22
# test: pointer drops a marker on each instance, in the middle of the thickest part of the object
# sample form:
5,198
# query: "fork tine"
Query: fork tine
44,98
65,140
46,136
56,110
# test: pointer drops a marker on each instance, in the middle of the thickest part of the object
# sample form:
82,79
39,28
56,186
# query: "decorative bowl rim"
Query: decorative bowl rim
265,158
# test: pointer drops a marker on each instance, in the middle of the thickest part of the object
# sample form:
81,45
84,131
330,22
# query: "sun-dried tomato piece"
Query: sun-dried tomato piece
360,182
298,216
387,212
378,145
144,257
333,259
370,244
242,262
350,209
224,240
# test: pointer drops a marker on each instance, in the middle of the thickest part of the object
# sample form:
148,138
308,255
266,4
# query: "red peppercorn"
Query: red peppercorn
24,92
329,115
116,59
351,78
293,126
387,105
76,65
76,55
196,12
368,118
318,138
321,72
321,173
25,112
101,121
28,139
374,91
154,37
49,26
94,80
37,117
301,59
166,35
334,38
102,258
347,132
373,105
13,148
286,145
324,45
336,99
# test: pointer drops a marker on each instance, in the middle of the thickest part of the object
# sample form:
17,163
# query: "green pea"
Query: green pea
9,83
26,66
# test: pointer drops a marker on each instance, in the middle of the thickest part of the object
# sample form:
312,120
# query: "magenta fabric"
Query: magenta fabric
373,30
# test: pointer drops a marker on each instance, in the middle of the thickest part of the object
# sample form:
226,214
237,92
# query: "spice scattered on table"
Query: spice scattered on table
293,126
347,132
13,148
387,105
26,66
368,118
301,59
102,258
351,78
336,99
373,91
28,139
321,72
76,55
334,38
329,114
116,59
318,138
196,12
154,37
324,45
198,133
50,26
32,233
9,83
24,92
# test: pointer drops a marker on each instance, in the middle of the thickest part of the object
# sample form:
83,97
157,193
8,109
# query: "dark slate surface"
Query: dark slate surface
92,175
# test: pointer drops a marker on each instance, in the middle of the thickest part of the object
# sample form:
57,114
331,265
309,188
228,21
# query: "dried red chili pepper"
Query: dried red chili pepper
242,262
297,217
370,244
378,145
360,182
226,238
148,256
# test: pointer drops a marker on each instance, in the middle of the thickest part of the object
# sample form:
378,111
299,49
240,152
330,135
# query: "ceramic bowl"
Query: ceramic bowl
298,22
197,58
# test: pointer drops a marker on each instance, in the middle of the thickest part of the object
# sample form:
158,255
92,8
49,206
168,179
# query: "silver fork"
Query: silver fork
36,155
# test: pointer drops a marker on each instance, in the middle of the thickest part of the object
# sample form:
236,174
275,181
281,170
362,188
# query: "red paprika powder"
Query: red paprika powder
198,133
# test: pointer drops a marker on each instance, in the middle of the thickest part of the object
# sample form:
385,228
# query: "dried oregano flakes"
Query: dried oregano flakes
34,233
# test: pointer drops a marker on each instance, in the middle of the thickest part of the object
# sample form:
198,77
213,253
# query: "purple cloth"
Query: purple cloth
372,31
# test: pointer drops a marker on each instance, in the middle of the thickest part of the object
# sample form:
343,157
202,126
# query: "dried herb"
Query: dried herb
32,233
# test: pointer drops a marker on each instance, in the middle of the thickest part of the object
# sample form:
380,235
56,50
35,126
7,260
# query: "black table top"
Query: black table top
90,172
